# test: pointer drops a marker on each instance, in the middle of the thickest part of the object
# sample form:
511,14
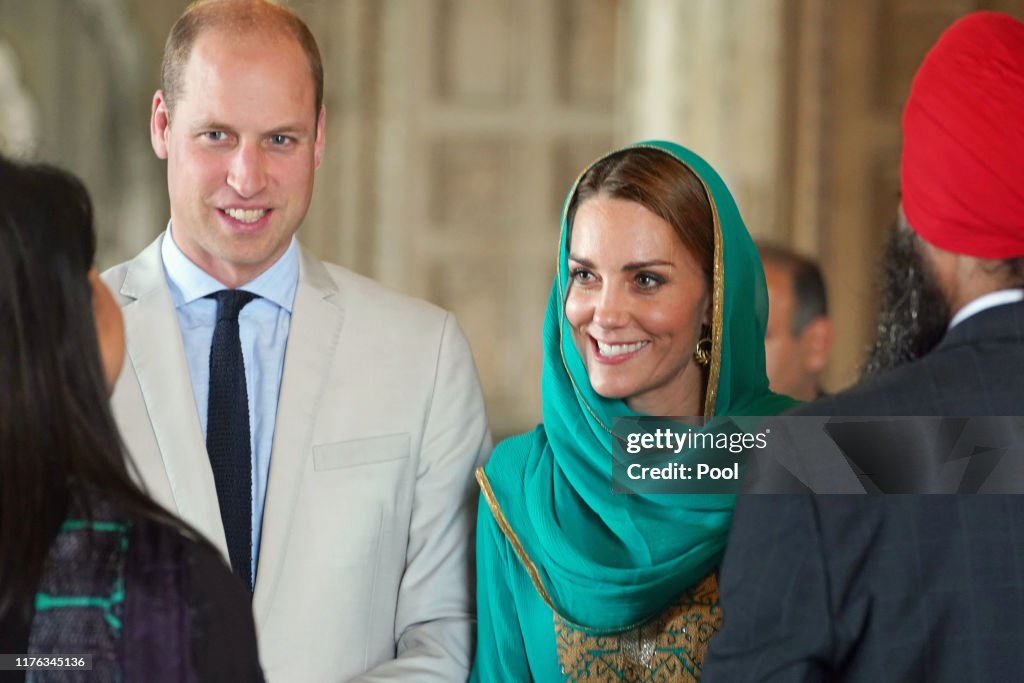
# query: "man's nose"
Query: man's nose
247,173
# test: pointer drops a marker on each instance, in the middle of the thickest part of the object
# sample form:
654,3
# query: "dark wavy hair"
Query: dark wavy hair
59,446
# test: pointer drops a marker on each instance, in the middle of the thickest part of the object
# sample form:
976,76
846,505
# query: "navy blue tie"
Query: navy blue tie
227,430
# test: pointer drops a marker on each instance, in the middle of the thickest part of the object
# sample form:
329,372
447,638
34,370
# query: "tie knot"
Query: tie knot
230,302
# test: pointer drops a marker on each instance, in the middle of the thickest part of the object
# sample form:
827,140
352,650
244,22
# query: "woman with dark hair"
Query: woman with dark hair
658,309
89,564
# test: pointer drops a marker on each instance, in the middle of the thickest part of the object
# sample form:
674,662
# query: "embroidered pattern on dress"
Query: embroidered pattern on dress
667,649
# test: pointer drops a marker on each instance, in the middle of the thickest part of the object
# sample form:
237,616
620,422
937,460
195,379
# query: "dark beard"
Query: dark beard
914,314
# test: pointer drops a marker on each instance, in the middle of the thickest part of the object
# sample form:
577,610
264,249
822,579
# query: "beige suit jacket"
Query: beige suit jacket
364,571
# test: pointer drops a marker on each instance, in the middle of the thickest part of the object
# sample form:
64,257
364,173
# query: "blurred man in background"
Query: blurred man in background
799,336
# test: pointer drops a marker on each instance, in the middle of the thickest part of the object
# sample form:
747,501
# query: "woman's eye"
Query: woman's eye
582,276
648,280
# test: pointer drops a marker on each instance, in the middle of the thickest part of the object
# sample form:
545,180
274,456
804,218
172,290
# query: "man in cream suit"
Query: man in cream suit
364,412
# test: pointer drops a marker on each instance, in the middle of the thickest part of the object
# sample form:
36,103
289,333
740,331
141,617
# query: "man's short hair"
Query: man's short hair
237,17
809,293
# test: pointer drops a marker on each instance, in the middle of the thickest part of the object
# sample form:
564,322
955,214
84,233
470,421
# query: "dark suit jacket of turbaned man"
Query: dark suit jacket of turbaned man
894,587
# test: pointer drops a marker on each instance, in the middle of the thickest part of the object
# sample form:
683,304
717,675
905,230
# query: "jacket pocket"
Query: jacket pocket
356,452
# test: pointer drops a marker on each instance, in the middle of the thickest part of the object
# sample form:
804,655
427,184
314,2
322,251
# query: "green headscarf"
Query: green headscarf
607,563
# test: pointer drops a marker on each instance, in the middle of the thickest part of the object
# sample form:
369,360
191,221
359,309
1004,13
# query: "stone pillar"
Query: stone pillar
708,74
82,66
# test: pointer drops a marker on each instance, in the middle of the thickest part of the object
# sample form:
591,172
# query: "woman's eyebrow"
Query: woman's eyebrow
640,265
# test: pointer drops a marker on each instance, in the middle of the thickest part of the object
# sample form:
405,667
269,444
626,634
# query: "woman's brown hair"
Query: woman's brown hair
663,185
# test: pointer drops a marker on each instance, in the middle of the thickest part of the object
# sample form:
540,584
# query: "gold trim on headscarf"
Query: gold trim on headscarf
517,546
506,529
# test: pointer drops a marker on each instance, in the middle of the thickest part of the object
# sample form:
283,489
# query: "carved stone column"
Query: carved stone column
708,74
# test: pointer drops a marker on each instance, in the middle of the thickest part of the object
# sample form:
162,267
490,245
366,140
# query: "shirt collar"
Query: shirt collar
986,301
188,282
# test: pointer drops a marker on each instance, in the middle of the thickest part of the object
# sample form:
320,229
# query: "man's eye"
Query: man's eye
215,135
280,139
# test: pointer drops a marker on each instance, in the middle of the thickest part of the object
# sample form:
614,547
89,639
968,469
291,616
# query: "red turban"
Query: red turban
962,170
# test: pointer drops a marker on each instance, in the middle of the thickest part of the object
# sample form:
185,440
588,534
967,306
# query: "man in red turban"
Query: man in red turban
910,588
962,176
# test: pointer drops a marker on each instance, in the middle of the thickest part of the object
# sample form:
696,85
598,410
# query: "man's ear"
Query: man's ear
816,343
159,124
318,144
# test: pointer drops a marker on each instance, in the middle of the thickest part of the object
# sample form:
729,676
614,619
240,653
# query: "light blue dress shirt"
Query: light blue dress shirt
263,330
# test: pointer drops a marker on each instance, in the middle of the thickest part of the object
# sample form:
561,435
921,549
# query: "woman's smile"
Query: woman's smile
636,304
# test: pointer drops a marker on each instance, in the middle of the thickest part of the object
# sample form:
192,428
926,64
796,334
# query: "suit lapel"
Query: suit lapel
158,357
316,323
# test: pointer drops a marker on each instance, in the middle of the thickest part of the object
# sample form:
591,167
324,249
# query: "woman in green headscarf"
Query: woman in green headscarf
658,308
